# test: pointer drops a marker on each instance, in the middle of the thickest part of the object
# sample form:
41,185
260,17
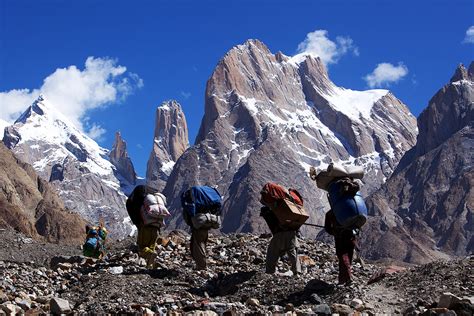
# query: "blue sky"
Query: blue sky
146,52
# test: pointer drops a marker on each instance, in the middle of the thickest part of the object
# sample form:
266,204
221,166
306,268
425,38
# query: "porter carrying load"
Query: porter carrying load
343,193
202,207
286,205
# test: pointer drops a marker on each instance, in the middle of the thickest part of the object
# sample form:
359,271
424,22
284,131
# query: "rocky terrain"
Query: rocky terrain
426,209
30,205
269,117
39,278
170,140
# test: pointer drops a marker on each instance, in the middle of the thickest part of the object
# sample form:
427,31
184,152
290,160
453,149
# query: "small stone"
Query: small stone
24,304
252,302
3,297
356,303
116,270
315,299
10,309
447,299
147,311
369,306
440,311
59,306
289,307
64,266
322,309
341,309
307,261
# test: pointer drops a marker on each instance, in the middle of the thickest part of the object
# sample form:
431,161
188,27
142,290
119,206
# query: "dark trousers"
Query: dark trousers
345,246
198,247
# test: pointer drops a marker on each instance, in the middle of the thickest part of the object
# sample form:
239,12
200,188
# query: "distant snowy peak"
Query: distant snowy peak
352,103
41,123
73,163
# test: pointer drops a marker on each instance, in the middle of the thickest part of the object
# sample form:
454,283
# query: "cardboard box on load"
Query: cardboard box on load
290,214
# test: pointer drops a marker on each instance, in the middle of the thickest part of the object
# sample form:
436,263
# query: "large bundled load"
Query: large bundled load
287,206
202,207
135,202
343,193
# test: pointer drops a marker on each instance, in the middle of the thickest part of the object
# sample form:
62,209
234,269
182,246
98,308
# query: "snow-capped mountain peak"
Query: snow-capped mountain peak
73,162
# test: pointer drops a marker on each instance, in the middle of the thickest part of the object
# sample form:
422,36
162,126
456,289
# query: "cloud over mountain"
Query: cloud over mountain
74,91
318,44
385,74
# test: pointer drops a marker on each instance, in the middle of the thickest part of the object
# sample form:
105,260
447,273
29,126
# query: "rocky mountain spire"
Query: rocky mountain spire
462,73
425,209
170,140
450,109
119,158
269,117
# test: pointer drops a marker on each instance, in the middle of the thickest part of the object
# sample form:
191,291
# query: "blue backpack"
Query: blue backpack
201,199
347,203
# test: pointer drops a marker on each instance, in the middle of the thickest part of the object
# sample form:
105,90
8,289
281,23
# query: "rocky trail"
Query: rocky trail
45,278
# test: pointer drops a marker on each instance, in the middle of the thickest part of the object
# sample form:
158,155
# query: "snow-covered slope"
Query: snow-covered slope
3,124
74,163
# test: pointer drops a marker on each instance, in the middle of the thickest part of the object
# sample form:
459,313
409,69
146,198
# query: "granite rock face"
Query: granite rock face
426,209
269,117
119,158
170,141
74,164
30,205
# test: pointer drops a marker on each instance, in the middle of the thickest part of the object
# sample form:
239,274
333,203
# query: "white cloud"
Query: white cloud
385,74
96,132
74,92
469,35
319,45
185,95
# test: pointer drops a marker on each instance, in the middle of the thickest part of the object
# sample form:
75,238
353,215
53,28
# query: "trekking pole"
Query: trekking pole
314,225
307,224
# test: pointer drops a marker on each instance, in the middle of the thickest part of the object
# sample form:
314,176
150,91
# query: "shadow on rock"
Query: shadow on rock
314,286
223,285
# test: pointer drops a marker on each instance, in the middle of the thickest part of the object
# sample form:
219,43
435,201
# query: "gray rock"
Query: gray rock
252,302
447,299
116,270
10,309
341,309
322,309
59,306
315,299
